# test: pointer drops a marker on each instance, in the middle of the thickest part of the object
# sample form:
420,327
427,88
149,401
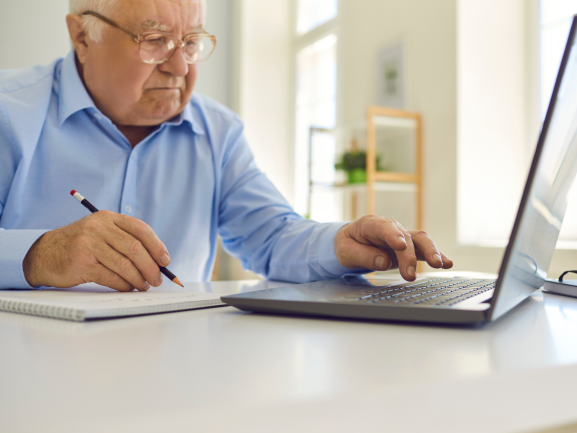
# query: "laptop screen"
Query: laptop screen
552,174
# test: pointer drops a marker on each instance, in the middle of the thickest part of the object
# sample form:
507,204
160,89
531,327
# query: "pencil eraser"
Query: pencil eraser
73,192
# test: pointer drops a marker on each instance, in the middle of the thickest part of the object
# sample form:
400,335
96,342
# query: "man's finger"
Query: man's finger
407,259
383,232
142,231
121,265
355,255
447,262
99,274
427,247
135,252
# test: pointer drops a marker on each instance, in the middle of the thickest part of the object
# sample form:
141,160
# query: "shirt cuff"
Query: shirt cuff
327,256
14,245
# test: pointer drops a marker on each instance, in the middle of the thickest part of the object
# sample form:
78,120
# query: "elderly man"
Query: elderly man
117,120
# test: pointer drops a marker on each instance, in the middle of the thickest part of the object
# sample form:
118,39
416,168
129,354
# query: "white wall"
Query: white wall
264,86
215,74
32,32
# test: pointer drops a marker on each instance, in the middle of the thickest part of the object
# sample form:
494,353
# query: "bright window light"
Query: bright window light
556,18
491,121
315,106
313,13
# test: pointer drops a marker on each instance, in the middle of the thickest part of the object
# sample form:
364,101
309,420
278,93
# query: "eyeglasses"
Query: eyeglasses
157,47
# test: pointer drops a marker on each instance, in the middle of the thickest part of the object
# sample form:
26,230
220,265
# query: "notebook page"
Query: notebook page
98,301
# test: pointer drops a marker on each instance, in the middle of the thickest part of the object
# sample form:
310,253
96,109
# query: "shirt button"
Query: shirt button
98,116
128,208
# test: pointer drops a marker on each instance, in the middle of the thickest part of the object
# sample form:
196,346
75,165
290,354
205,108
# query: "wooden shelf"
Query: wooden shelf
395,122
395,186
383,117
378,120
384,176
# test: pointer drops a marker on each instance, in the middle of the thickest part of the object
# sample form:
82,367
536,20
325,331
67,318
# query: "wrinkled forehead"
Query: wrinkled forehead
173,16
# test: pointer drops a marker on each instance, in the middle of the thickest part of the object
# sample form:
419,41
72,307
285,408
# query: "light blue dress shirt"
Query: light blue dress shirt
192,179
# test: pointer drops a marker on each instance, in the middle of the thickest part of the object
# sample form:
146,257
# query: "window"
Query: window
315,102
555,21
492,120
313,13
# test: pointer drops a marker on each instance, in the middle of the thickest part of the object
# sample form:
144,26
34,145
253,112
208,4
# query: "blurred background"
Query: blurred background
447,98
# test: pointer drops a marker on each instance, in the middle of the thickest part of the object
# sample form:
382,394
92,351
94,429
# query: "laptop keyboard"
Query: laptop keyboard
435,291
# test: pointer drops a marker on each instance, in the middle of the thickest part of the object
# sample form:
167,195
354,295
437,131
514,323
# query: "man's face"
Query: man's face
129,91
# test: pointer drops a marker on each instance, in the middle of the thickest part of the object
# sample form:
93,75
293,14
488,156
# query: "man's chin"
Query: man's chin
162,112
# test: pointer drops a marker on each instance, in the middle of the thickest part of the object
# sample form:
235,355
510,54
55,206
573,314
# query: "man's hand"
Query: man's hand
378,243
106,248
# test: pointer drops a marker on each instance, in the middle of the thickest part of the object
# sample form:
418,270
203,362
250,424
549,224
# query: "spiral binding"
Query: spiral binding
42,310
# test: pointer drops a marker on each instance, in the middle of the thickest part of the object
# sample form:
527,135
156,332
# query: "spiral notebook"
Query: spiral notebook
90,301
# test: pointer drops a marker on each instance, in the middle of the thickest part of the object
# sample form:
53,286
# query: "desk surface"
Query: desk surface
224,370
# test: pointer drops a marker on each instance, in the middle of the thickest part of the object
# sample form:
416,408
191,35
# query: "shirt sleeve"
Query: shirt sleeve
14,244
258,226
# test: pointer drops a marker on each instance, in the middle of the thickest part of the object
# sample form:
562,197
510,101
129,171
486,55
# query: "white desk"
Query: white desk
224,370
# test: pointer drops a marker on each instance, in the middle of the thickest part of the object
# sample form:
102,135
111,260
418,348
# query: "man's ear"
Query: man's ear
78,36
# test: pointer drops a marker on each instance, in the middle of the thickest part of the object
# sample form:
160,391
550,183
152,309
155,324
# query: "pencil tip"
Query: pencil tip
177,281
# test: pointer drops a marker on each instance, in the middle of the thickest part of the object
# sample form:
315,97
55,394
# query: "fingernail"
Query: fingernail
402,239
165,260
437,257
145,287
411,271
380,262
158,280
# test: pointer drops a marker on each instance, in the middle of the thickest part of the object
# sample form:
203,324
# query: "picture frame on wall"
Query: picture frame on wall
391,76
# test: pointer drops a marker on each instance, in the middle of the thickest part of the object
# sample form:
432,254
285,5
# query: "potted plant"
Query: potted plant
355,164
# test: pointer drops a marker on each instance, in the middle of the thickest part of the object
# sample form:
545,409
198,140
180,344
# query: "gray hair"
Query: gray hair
92,25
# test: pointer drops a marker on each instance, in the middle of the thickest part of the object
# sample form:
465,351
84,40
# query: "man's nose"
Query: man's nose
175,65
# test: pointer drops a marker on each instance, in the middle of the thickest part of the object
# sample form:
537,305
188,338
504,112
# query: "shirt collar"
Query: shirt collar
74,98
191,117
73,94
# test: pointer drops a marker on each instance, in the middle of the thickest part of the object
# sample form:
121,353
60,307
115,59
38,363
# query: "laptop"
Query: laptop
461,299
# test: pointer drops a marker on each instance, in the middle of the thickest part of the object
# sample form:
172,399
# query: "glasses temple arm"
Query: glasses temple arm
112,23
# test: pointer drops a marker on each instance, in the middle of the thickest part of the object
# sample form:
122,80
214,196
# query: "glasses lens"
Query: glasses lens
157,48
198,48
